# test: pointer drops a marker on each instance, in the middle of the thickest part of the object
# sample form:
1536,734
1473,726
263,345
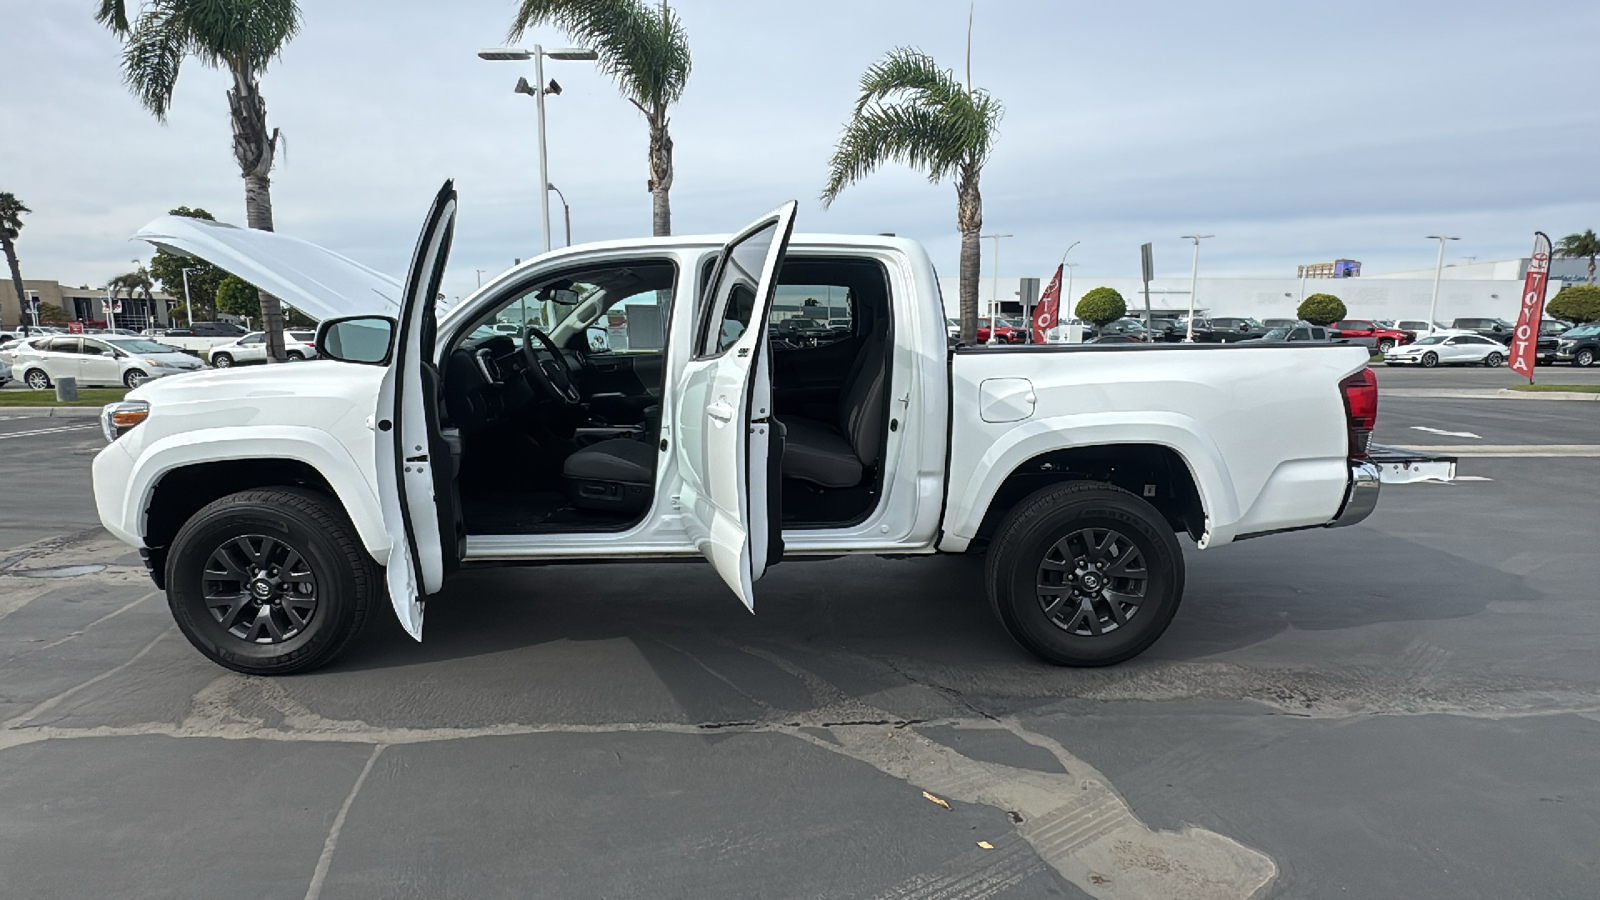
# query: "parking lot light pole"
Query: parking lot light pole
1438,270
994,301
537,54
566,211
1194,282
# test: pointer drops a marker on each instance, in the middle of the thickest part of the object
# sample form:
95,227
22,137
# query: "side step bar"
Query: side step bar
1397,465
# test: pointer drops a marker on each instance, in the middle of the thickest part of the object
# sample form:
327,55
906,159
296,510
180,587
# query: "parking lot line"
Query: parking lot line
1513,450
39,431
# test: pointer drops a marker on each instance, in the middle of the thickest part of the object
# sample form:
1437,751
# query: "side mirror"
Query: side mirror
357,339
1498,328
598,338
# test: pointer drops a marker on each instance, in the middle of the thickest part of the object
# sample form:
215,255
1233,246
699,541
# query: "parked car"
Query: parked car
106,360
1458,349
297,345
278,506
203,336
10,349
1371,334
1004,333
1580,346
1419,327
1164,328
1498,330
1126,326
1229,329
1300,333
1202,330
5,374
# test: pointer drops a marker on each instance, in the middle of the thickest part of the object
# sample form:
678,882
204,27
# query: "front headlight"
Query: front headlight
117,419
154,364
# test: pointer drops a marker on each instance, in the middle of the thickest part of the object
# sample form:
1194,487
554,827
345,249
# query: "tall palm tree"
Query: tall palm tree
138,285
913,112
1578,246
11,211
239,36
646,52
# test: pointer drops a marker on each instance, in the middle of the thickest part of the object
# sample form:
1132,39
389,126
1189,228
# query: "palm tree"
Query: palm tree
1578,246
240,36
137,284
646,52
11,211
913,112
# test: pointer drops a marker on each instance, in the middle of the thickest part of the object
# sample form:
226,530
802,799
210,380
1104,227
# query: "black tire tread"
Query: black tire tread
1047,501
325,513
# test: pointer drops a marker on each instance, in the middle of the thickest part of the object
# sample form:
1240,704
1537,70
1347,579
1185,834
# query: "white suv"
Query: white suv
108,360
252,347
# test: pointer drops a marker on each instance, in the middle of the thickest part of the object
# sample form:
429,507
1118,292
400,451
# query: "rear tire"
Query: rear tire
1429,360
1494,360
221,360
1385,345
295,356
270,581
37,379
1085,574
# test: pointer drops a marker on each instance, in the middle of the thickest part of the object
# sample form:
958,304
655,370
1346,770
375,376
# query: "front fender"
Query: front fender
969,501
313,447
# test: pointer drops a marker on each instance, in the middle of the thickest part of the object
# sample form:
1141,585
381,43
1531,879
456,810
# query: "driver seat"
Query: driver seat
613,476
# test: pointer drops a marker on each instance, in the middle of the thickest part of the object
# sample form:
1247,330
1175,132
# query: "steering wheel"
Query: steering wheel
549,368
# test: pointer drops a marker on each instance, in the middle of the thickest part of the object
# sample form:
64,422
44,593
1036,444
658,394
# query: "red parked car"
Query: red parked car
1007,333
1373,334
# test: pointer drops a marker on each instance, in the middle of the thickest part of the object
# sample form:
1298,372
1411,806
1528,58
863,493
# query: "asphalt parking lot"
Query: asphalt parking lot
1406,708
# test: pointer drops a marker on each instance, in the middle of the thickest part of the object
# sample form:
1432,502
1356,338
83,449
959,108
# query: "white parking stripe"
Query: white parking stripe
1440,431
17,434
1513,450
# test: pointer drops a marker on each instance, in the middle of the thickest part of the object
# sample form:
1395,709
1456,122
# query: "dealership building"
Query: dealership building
86,304
1473,290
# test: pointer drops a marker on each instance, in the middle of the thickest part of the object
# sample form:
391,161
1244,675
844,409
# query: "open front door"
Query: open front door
403,441
722,420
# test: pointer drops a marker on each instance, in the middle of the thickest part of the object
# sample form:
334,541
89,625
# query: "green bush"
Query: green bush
1100,306
1578,304
1321,309
51,314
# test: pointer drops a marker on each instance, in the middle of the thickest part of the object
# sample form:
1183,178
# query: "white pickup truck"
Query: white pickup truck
278,505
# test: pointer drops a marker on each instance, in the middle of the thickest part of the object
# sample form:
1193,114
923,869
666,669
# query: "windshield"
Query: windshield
1432,339
1276,334
135,345
1583,331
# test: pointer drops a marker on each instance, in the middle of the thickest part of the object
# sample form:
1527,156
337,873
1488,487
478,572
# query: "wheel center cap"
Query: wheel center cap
260,588
1091,581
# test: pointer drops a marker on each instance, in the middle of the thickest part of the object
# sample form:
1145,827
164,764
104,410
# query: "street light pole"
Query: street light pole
566,210
1194,282
188,307
1070,267
994,299
537,54
1438,270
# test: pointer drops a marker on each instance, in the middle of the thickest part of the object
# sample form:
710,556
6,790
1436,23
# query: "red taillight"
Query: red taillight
1361,409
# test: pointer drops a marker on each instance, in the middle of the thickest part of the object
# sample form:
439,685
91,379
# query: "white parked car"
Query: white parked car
1448,349
297,345
278,506
5,373
95,360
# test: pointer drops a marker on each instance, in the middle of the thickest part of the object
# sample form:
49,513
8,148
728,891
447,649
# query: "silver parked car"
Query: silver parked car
109,360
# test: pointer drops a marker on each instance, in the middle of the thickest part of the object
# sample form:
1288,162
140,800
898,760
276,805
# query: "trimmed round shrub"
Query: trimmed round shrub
1578,304
1100,306
1321,309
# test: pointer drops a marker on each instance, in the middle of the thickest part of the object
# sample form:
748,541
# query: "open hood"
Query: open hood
318,282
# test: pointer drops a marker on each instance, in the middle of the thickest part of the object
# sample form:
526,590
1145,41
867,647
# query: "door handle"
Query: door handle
720,411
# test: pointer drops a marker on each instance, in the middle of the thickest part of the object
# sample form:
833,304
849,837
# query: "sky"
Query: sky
1295,132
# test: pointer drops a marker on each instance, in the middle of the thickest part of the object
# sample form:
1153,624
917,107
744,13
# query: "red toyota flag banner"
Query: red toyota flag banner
1046,312
1525,339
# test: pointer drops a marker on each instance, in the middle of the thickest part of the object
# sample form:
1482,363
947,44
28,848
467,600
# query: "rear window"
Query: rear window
303,336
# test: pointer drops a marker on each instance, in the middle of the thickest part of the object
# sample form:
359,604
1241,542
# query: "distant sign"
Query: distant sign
1147,263
74,328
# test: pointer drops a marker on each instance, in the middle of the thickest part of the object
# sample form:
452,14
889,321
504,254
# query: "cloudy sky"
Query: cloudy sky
1295,132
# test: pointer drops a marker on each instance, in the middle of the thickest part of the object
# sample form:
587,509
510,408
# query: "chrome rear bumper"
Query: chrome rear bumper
1361,496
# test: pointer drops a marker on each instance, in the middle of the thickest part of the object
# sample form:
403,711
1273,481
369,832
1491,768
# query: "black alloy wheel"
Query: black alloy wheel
1430,359
271,581
1085,574
260,589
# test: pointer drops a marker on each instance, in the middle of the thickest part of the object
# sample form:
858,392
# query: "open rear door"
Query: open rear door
406,485
722,419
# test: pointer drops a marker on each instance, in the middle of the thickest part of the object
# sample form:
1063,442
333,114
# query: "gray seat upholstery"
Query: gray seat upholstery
839,454
619,459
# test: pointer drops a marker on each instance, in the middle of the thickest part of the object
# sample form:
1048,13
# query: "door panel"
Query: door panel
97,364
406,444
721,421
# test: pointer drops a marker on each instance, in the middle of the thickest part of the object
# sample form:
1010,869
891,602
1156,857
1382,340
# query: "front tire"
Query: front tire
1385,345
134,378
1085,574
37,379
221,360
1583,359
296,356
1494,360
270,581
1429,360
